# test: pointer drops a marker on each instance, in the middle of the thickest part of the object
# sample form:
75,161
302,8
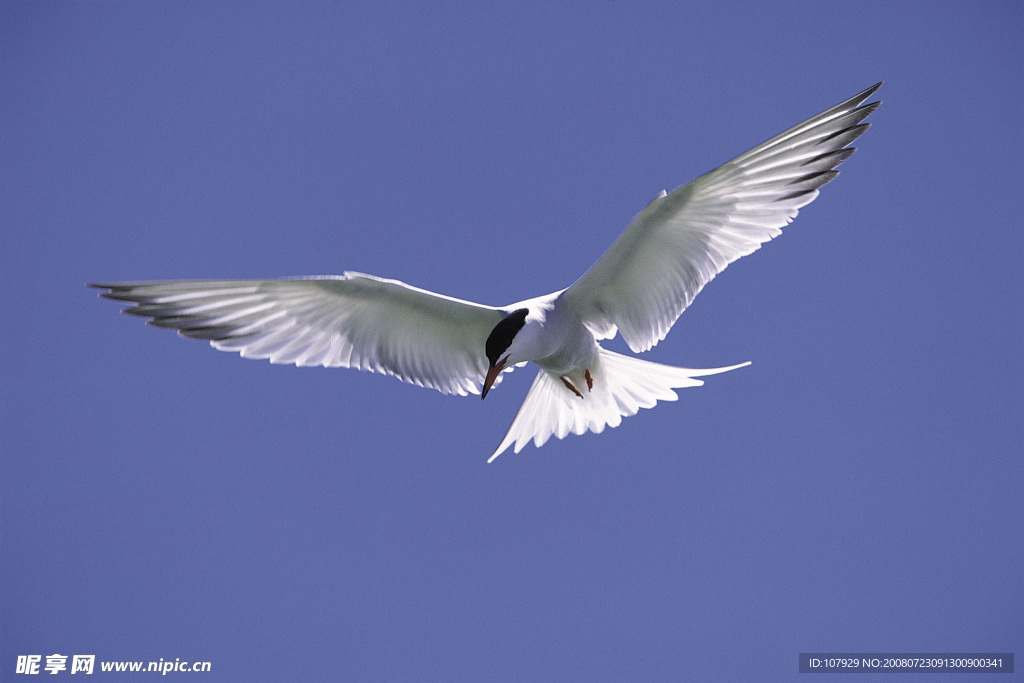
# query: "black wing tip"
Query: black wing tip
114,290
123,296
795,195
856,103
185,328
820,177
864,94
869,109
212,333
837,156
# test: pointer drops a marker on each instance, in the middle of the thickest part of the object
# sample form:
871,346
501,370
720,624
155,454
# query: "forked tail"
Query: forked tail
622,386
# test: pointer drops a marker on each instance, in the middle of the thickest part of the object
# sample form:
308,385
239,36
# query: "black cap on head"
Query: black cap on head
503,333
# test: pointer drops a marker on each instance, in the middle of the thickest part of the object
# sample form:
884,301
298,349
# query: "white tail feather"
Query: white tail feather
622,385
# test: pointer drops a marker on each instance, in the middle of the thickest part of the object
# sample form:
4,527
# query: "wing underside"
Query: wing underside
353,321
682,239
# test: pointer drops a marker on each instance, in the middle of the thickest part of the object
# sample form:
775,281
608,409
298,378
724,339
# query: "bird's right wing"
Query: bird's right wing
352,321
682,239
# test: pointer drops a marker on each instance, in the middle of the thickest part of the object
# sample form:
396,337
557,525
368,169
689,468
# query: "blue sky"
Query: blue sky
858,488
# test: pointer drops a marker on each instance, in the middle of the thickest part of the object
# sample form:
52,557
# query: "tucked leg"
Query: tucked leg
570,386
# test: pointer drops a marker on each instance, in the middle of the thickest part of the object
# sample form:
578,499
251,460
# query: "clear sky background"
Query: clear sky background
860,487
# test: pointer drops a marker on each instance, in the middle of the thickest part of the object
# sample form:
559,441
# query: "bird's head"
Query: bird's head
498,344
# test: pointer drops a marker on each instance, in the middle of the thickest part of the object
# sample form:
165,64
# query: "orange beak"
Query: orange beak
492,374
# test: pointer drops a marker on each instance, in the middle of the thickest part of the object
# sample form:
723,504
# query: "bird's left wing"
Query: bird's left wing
353,321
680,241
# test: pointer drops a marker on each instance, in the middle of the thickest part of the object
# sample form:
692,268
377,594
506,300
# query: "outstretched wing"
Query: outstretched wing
680,241
351,321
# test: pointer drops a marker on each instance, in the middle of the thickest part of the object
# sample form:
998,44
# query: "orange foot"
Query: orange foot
571,388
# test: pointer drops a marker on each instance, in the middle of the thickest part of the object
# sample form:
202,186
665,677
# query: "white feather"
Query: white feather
681,240
352,321
622,386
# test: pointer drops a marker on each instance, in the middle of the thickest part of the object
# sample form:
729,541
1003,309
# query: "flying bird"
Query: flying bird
638,289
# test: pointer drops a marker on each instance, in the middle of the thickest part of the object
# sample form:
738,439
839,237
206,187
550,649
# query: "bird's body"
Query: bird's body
638,289
554,338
